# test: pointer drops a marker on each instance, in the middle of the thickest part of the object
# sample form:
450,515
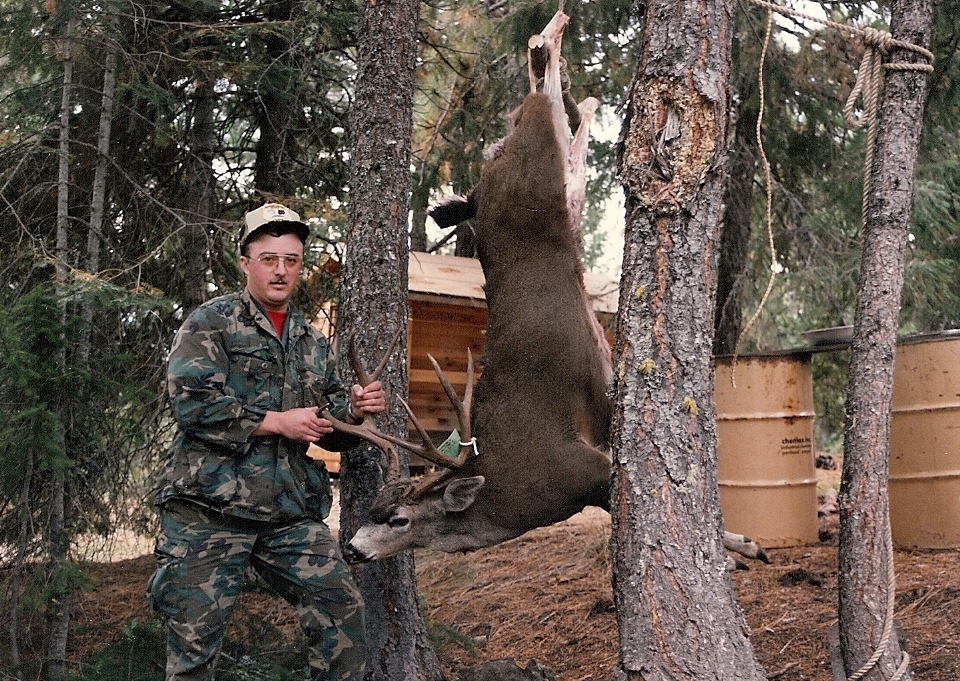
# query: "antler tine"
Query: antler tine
365,431
427,450
461,407
467,403
363,378
393,463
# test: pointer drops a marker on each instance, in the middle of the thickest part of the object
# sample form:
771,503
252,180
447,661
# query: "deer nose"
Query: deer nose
353,556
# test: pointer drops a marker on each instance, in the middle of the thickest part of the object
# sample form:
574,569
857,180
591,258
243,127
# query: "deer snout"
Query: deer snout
353,556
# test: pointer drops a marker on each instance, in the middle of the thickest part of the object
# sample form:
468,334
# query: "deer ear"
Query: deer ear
459,494
454,210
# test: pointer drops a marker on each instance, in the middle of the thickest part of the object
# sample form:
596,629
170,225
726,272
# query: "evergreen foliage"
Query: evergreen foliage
256,651
280,79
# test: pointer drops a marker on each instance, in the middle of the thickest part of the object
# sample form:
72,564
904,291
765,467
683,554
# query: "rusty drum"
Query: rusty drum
925,442
765,459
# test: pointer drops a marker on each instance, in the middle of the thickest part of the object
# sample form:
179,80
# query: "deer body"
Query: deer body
541,415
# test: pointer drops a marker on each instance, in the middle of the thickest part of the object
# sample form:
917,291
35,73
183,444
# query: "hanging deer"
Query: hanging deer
535,431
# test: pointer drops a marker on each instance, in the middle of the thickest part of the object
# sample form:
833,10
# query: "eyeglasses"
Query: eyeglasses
270,260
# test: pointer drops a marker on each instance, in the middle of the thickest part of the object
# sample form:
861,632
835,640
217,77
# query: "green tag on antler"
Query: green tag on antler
451,446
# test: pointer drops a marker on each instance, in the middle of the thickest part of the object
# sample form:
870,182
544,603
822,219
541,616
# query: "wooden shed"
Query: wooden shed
448,315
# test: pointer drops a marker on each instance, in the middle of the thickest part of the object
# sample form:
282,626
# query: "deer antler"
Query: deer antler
363,378
467,443
364,430
368,432
461,407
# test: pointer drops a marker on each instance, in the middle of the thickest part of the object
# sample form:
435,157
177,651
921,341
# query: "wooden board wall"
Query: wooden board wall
445,331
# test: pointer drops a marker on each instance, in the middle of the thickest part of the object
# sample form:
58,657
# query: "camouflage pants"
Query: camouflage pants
201,559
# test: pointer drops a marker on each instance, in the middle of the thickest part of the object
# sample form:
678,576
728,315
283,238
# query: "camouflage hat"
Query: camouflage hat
276,215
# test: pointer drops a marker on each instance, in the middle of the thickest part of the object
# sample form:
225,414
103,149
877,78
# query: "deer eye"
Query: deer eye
398,521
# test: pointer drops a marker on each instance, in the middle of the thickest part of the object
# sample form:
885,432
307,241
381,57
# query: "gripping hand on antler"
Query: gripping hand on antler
369,399
307,424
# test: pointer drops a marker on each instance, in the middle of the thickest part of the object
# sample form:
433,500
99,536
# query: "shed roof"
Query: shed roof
461,280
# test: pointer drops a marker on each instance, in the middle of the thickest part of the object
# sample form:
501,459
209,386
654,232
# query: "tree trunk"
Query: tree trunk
865,555
58,598
419,199
276,96
735,230
19,565
99,190
374,307
735,237
675,603
199,199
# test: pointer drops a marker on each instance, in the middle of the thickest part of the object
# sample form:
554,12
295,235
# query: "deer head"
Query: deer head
404,507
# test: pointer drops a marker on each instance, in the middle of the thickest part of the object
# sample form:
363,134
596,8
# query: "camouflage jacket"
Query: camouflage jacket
227,368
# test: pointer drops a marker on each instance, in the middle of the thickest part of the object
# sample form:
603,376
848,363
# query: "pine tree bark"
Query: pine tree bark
199,199
59,594
865,552
374,307
675,603
736,228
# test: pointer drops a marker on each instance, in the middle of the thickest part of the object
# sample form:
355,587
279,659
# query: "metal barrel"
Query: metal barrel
925,442
765,459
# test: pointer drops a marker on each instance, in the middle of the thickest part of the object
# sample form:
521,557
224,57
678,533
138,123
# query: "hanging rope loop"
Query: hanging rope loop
868,84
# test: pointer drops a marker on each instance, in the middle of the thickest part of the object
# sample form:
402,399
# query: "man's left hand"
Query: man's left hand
369,400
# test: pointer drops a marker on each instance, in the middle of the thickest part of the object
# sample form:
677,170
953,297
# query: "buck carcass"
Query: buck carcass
535,435
540,415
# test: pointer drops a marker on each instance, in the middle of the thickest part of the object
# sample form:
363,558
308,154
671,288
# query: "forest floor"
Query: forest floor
547,596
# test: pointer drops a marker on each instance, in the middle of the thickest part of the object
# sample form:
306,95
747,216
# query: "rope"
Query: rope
887,623
868,85
472,442
867,34
775,267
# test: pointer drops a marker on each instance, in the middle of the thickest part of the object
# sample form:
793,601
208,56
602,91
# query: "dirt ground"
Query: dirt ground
547,596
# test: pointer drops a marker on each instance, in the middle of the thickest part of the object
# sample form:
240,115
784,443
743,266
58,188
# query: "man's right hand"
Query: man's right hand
296,424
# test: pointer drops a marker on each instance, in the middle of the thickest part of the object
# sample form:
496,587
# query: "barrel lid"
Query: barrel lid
930,336
831,345
761,354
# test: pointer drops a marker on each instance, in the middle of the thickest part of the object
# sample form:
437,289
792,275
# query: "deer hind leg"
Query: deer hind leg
553,36
576,197
549,39
577,164
745,546
547,66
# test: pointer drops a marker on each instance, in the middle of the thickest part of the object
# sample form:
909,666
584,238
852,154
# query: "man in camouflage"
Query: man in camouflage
238,487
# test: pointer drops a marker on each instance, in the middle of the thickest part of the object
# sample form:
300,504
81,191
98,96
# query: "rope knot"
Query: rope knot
876,39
